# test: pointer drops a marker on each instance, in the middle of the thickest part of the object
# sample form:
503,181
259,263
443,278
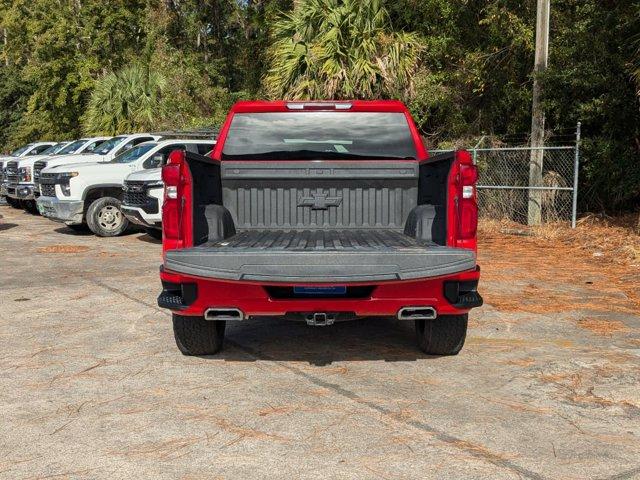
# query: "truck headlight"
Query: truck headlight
67,175
24,174
64,179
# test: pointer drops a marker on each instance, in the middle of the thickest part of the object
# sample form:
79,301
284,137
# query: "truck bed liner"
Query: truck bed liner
322,256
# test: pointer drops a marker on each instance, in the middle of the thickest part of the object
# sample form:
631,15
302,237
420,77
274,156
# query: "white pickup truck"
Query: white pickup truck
142,200
106,151
19,180
91,193
143,197
74,150
22,186
35,148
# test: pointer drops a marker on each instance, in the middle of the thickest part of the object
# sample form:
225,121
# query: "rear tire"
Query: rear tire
12,202
197,336
105,219
443,336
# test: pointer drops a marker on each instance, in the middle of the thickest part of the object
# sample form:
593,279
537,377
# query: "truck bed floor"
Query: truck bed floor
315,240
324,256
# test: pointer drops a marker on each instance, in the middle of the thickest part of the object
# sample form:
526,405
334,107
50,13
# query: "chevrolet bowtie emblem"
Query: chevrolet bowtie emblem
319,201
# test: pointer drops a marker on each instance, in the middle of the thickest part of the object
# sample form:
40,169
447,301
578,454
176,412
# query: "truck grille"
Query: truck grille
135,198
11,172
37,168
1,171
47,190
135,194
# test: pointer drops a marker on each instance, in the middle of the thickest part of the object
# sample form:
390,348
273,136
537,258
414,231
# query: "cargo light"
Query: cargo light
319,106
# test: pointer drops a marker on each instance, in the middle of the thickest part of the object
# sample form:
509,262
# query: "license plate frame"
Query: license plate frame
336,290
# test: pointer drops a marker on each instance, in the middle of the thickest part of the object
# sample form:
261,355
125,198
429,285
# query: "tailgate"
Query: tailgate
320,256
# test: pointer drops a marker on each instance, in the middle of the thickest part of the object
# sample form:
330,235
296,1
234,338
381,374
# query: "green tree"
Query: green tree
126,101
476,78
59,48
476,65
14,93
340,49
590,80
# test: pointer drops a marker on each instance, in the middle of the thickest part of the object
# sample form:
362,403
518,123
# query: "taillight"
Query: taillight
468,219
171,174
171,177
468,205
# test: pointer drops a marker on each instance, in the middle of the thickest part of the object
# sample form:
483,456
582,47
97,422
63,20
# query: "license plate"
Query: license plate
341,290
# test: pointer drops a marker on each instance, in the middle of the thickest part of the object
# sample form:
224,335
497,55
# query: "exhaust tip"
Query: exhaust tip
223,314
417,313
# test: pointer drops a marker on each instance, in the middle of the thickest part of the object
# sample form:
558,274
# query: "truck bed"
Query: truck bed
319,256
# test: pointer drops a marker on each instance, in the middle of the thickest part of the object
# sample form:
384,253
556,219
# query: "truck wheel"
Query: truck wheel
31,207
443,336
197,336
105,219
13,202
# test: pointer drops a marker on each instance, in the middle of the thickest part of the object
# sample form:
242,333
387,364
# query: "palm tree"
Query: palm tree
340,49
125,101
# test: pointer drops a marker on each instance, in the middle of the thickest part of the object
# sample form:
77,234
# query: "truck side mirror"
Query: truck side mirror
154,162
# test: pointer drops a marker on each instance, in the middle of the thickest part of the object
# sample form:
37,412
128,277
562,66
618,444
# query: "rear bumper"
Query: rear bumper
192,296
67,211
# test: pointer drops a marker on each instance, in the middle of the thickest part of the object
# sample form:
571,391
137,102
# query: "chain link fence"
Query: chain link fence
507,192
509,188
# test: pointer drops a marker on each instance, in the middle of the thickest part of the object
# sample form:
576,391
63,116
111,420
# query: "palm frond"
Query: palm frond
340,49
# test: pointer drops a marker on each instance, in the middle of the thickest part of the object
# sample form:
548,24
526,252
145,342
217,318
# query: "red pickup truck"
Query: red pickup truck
321,212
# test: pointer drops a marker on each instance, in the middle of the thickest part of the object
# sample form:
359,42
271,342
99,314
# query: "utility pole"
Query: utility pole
537,114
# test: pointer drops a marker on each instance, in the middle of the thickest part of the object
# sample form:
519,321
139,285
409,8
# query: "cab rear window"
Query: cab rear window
319,136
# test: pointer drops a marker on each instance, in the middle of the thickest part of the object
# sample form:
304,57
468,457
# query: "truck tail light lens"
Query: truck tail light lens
468,174
171,177
468,218
468,206
171,174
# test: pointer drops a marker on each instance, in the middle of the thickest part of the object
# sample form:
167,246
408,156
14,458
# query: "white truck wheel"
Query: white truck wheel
105,219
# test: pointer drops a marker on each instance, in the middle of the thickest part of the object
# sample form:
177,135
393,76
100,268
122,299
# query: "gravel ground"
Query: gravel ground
92,385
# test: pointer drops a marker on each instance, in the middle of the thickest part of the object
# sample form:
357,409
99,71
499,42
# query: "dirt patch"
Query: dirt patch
601,326
594,267
275,411
591,399
62,249
615,239
521,362
532,299
545,301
